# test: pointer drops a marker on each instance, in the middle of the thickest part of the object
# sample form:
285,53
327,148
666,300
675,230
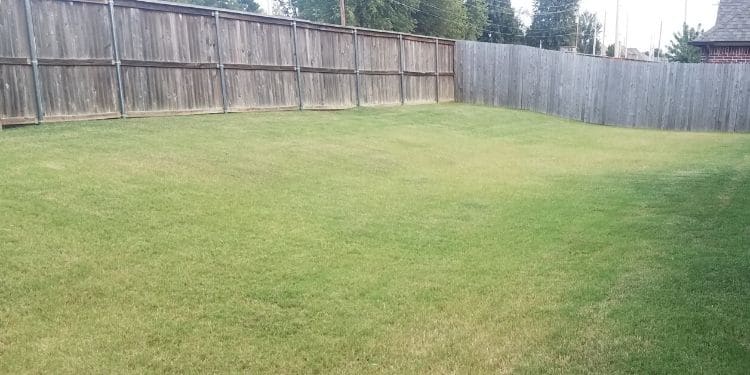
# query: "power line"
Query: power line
513,12
537,36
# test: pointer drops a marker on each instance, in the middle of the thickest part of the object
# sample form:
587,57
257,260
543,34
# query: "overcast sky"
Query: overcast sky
641,16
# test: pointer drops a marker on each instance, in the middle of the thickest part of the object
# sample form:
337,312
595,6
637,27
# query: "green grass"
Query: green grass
428,239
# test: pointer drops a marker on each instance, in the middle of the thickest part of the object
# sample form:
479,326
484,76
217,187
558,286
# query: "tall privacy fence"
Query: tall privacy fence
713,97
76,59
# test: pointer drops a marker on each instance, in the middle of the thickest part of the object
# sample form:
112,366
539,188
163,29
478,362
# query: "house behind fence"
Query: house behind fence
729,40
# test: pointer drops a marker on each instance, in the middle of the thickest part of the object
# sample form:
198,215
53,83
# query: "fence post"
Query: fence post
437,71
356,64
116,55
296,65
34,63
401,66
220,64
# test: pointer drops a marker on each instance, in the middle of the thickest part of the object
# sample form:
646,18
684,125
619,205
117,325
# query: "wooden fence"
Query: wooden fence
704,97
76,59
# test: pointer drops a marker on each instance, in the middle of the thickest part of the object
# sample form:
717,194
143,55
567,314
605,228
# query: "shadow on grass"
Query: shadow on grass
679,298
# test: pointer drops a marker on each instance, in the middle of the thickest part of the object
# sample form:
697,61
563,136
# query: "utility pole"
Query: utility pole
686,2
627,33
617,31
577,30
661,24
342,11
604,35
651,47
596,36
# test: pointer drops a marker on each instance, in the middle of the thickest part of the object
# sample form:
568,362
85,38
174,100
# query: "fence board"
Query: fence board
419,56
324,90
701,97
61,34
170,90
380,89
447,89
446,58
162,36
78,91
17,103
256,89
419,89
326,49
171,62
378,53
13,29
255,43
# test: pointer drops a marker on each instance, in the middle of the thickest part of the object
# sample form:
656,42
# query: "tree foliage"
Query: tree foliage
443,18
589,29
553,24
375,14
287,8
459,19
477,16
503,26
242,5
383,14
679,49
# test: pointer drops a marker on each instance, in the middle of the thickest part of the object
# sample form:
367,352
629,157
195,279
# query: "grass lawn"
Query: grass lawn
427,239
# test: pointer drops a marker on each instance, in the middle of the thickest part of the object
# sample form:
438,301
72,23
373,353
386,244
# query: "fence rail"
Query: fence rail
701,97
75,59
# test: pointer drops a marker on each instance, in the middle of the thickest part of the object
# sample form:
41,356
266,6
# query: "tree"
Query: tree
313,10
375,14
503,26
680,50
554,24
477,16
611,50
287,8
242,5
588,32
384,14
443,18
658,53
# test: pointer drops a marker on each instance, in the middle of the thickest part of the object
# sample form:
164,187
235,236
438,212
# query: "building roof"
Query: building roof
732,25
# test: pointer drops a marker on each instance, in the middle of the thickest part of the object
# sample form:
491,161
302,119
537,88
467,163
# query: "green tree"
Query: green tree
588,32
679,49
611,50
503,25
443,18
477,14
242,5
384,14
658,52
375,14
553,24
287,8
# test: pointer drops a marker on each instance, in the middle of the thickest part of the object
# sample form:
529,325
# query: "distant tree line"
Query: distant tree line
554,23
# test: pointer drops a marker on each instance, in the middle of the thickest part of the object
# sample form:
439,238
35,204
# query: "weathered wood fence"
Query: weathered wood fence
712,97
76,59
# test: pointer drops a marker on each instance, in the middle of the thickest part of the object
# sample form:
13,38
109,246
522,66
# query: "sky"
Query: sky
642,17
